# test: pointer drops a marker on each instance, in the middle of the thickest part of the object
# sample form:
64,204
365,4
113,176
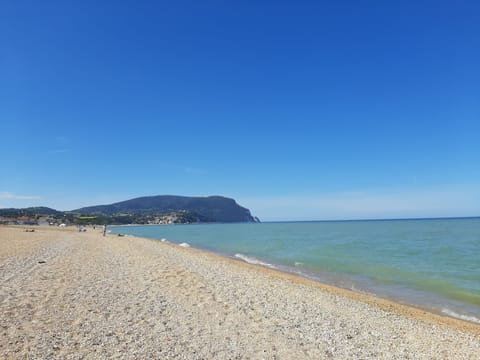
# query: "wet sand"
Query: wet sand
73,295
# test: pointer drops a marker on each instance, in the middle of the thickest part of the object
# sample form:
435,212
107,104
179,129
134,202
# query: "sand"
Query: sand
71,295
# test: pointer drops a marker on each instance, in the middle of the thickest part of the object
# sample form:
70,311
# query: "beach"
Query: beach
71,295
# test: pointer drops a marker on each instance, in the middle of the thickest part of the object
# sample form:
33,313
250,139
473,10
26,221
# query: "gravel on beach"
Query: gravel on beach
71,295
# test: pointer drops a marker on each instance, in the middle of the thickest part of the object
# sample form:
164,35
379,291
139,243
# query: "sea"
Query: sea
433,264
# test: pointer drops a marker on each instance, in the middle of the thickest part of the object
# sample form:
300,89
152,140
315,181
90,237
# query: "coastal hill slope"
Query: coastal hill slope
211,208
30,211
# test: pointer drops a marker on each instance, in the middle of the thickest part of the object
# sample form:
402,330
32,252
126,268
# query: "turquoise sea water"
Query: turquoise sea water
432,263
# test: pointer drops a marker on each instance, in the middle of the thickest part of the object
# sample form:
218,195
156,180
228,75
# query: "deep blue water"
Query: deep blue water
432,263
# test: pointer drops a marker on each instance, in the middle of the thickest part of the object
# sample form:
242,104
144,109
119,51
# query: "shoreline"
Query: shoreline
357,287
444,312
70,294
423,313
410,310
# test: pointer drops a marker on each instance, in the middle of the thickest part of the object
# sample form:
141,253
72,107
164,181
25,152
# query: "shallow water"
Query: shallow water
433,263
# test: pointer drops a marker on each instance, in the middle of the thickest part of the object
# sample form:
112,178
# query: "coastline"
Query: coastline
80,295
368,275
409,310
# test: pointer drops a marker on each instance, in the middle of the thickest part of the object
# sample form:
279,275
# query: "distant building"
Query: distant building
25,220
7,221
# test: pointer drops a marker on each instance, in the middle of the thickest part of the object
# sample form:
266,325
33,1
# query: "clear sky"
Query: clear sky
297,109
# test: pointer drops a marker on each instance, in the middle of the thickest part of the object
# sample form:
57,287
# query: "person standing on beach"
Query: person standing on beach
104,229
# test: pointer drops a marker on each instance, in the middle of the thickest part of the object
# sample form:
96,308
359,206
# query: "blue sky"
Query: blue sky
299,110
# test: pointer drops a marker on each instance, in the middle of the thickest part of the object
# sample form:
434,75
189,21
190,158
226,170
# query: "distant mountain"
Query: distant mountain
211,208
30,211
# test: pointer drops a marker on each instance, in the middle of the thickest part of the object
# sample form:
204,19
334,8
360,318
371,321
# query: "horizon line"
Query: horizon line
379,219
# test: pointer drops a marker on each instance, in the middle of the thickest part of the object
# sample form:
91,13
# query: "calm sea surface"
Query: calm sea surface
431,263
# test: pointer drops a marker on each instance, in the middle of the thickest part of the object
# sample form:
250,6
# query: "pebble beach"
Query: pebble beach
71,295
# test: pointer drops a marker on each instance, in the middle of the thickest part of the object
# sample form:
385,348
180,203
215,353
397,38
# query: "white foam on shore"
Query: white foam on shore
297,263
184,245
254,261
460,316
163,240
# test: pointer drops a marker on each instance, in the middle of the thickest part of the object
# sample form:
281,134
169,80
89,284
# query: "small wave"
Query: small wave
460,316
297,263
254,261
163,240
184,245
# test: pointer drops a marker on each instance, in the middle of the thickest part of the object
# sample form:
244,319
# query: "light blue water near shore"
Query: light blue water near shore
431,263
